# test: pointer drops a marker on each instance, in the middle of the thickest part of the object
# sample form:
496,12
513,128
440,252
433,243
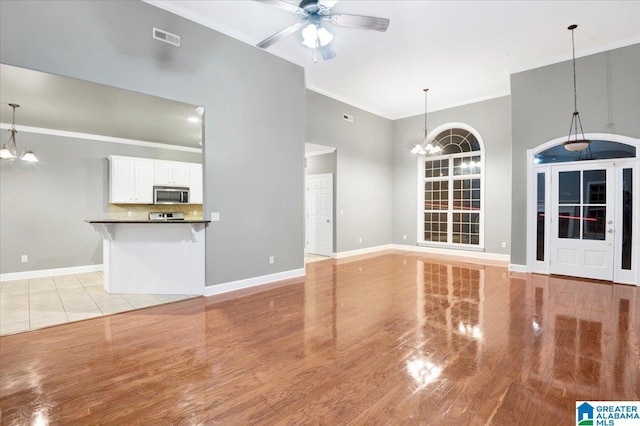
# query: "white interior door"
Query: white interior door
319,207
582,228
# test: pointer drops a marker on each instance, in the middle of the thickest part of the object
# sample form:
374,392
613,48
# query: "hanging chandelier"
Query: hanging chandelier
9,150
425,147
574,142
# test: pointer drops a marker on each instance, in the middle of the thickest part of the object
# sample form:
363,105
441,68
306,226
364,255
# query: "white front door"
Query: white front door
582,228
319,206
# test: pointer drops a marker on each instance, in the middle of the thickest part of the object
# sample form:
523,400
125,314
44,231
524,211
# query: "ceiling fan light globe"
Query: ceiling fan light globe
310,36
324,36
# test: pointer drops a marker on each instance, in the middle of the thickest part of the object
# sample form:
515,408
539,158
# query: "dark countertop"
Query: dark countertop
110,221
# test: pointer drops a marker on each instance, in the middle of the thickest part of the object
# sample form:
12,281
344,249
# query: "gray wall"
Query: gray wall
253,152
43,205
492,120
325,163
608,87
317,164
364,169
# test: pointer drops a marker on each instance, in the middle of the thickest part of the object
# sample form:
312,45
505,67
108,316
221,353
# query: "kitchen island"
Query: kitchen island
153,256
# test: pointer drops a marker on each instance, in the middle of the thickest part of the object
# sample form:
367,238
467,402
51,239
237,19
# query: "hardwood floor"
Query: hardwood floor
394,339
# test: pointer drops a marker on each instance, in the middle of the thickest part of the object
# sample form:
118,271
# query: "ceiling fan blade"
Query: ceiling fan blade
327,4
281,4
357,21
279,36
327,52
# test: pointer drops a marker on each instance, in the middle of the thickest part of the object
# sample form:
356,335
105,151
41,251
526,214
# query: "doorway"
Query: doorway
582,212
581,219
319,214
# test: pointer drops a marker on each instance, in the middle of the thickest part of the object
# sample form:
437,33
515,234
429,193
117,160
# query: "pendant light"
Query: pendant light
425,147
575,143
9,150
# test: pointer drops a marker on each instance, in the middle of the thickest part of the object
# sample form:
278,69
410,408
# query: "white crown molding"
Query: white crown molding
584,52
349,102
100,138
26,275
176,9
459,104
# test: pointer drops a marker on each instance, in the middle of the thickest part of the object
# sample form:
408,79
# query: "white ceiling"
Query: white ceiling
463,51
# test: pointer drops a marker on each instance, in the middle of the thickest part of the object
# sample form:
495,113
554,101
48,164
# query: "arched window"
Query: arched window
452,189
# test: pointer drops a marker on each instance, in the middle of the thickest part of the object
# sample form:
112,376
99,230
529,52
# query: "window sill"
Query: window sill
452,246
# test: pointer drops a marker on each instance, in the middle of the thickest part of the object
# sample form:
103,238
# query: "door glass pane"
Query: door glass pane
627,217
595,187
540,218
594,222
569,187
569,222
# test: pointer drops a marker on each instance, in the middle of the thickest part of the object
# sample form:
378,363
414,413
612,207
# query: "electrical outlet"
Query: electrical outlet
504,244
215,216
272,260
341,212
24,258
404,237
360,239
129,213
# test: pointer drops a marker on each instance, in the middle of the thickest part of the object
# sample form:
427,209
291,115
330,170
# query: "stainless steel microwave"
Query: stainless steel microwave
170,195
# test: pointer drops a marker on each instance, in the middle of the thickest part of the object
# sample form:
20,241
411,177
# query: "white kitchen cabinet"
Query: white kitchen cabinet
195,184
171,173
130,180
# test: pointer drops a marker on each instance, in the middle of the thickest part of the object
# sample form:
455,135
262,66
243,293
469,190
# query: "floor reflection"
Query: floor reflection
396,338
581,335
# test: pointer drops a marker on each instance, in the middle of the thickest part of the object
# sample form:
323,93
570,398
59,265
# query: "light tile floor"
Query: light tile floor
36,303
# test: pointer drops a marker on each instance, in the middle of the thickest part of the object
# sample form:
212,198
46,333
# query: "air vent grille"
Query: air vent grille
166,37
348,117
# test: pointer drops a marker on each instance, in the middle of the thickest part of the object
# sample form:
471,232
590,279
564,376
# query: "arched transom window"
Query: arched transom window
452,183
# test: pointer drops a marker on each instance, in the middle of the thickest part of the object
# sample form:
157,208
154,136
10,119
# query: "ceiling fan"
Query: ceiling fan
314,35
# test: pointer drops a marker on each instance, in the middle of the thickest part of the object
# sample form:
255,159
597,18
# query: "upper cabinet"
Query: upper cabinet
131,180
171,173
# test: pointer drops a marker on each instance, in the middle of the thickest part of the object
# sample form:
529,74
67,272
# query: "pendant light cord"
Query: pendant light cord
425,113
575,90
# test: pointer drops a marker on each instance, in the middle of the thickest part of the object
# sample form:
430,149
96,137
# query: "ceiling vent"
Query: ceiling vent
348,117
166,36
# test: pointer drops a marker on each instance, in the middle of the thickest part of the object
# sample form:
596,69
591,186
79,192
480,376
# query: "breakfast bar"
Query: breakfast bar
153,256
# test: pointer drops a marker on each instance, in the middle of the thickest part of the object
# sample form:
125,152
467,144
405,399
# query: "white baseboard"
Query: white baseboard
518,268
252,282
451,252
26,275
358,252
